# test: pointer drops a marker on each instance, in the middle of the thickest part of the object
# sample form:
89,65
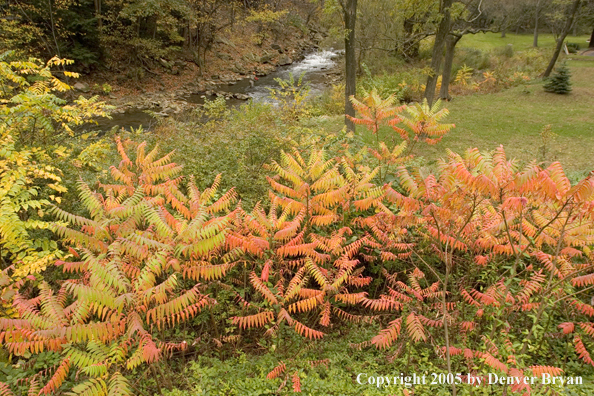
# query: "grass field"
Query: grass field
515,117
489,41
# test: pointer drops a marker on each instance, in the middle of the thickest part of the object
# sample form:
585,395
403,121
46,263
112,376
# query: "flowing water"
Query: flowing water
314,67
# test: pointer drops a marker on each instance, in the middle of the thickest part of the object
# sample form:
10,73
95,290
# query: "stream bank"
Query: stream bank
320,68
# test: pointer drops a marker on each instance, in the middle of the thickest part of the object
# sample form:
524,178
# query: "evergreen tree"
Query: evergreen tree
559,82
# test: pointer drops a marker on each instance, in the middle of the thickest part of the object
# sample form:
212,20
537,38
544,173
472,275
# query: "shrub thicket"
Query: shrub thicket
481,267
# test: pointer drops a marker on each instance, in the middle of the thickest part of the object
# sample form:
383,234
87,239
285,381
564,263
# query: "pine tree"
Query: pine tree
559,82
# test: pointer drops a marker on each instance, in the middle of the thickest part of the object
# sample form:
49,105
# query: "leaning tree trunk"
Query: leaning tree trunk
440,38
350,21
446,74
562,36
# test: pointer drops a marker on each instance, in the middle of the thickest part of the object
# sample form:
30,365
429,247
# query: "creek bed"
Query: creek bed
315,67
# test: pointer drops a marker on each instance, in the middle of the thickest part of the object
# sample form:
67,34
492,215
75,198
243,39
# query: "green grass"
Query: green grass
514,118
245,374
490,41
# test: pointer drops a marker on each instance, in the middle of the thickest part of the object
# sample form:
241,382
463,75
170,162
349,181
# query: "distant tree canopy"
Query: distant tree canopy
90,31
133,31
398,26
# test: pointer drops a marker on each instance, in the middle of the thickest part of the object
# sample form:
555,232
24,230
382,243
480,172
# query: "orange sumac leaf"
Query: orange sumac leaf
382,304
586,309
257,320
57,379
262,288
278,370
388,336
583,280
581,350
567,327
588,328
296,383
415,328
5,390
493,362
307,332
304,305
538,371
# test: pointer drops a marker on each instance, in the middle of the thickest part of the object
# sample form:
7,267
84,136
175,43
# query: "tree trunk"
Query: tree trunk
53,27
360,60
98,15
591,45
446,75
408,46
350,21
440,39
537,14
562,36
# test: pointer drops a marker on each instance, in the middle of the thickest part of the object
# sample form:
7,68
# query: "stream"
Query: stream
315,67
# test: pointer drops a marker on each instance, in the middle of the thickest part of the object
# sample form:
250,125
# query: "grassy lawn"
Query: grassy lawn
515,118
489,41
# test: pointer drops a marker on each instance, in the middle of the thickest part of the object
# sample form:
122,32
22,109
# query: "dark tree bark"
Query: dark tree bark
98,15
446,75
440,38
536,17
591,45
409,47
350,20
53,28
570,18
